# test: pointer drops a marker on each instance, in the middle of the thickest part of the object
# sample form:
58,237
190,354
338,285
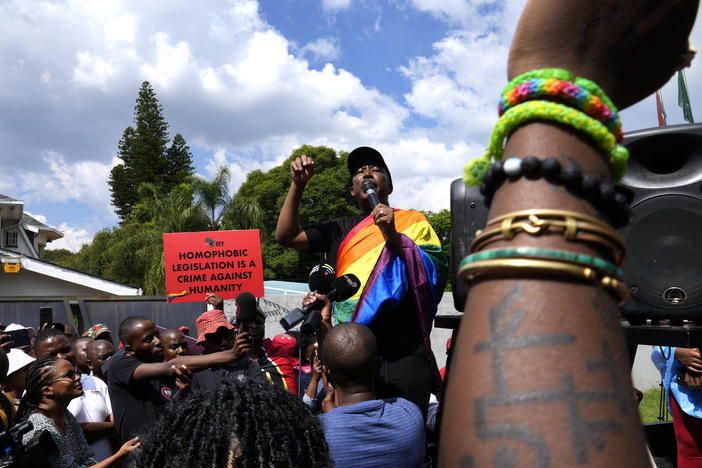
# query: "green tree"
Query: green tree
441,223
179,163
213,196
145,155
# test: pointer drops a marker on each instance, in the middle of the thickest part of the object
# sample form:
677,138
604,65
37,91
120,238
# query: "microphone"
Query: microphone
344,287
321,277
246,308
341,289
368,187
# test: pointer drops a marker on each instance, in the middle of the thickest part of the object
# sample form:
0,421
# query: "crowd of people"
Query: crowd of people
539,376
147,395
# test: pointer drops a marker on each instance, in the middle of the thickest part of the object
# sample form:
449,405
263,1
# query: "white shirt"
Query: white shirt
93,406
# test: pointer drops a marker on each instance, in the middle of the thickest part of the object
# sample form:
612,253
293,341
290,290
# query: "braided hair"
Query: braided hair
39,374
239,425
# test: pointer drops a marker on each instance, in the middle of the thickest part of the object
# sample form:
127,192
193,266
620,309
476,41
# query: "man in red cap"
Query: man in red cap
276,357
214,334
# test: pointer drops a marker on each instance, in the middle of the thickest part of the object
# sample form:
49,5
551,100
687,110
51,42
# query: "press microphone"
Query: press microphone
246,309
342,288
321,277
368,187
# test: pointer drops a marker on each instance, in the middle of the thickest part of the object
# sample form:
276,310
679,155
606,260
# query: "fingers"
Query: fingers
130,445
383,214
6,342
309,299
302,168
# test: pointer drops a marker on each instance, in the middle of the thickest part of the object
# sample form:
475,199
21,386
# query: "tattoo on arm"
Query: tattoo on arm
585,432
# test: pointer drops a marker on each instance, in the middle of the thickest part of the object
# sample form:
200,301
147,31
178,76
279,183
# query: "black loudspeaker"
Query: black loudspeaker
663,184
663,266
468,214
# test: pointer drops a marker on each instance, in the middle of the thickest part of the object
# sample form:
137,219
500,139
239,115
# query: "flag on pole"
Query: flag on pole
661,110
683,98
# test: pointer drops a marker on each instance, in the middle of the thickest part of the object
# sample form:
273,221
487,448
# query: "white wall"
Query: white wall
27,283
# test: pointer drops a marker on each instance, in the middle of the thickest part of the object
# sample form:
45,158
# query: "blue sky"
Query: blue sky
247,82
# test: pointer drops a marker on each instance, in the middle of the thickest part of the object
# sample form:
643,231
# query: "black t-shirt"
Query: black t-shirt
135,403
242,370
327,236
396,330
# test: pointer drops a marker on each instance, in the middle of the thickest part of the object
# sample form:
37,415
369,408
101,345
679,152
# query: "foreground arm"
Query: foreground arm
159,370
288,232
554,384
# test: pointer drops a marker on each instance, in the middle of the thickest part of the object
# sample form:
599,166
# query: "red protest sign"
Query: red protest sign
220,262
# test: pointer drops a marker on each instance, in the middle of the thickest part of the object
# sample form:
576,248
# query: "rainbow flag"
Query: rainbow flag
174,295
386,278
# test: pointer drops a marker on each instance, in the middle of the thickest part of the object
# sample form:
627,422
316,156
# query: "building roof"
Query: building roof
6,199
34,225
66,274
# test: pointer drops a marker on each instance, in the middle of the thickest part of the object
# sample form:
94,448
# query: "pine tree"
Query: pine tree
145,155
179,163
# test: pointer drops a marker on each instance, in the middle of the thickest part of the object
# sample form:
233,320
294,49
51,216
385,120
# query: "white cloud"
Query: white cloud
61,181
335,5
93,71
120,29
73,238
321,49
171,60
471,13
450,88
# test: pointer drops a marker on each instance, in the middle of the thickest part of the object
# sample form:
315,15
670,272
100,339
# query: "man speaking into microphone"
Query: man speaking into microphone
397,257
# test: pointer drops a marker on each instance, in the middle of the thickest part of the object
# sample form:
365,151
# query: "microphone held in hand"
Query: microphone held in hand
342,288
321,277
246,308
368,187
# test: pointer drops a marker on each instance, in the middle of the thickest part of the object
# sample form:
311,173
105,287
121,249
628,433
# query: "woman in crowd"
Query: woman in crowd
240,425
681,371
51,384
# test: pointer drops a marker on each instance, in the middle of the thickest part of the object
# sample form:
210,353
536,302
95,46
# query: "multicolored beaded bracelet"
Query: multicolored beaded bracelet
547,110
562,75
567,93
602,196
545,254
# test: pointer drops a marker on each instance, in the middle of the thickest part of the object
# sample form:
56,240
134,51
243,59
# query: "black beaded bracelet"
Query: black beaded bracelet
603,197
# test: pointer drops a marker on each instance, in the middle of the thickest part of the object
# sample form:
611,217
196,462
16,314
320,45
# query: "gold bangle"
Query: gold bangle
574,227
511,266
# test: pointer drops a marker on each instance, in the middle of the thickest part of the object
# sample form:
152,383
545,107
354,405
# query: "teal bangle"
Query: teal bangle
537,252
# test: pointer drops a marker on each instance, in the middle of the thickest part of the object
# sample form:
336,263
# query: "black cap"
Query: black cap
366,155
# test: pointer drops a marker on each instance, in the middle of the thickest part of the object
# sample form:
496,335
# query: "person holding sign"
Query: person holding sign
397,257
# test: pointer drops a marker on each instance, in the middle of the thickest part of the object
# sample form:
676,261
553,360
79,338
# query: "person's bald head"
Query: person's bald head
350,353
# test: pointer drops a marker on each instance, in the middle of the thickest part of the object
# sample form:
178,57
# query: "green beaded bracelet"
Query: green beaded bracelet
547,110
537,252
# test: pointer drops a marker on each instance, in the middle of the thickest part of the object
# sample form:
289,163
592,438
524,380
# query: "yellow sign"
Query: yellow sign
12,267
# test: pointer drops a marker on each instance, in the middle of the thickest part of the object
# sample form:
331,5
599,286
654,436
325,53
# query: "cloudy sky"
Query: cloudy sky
246,82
